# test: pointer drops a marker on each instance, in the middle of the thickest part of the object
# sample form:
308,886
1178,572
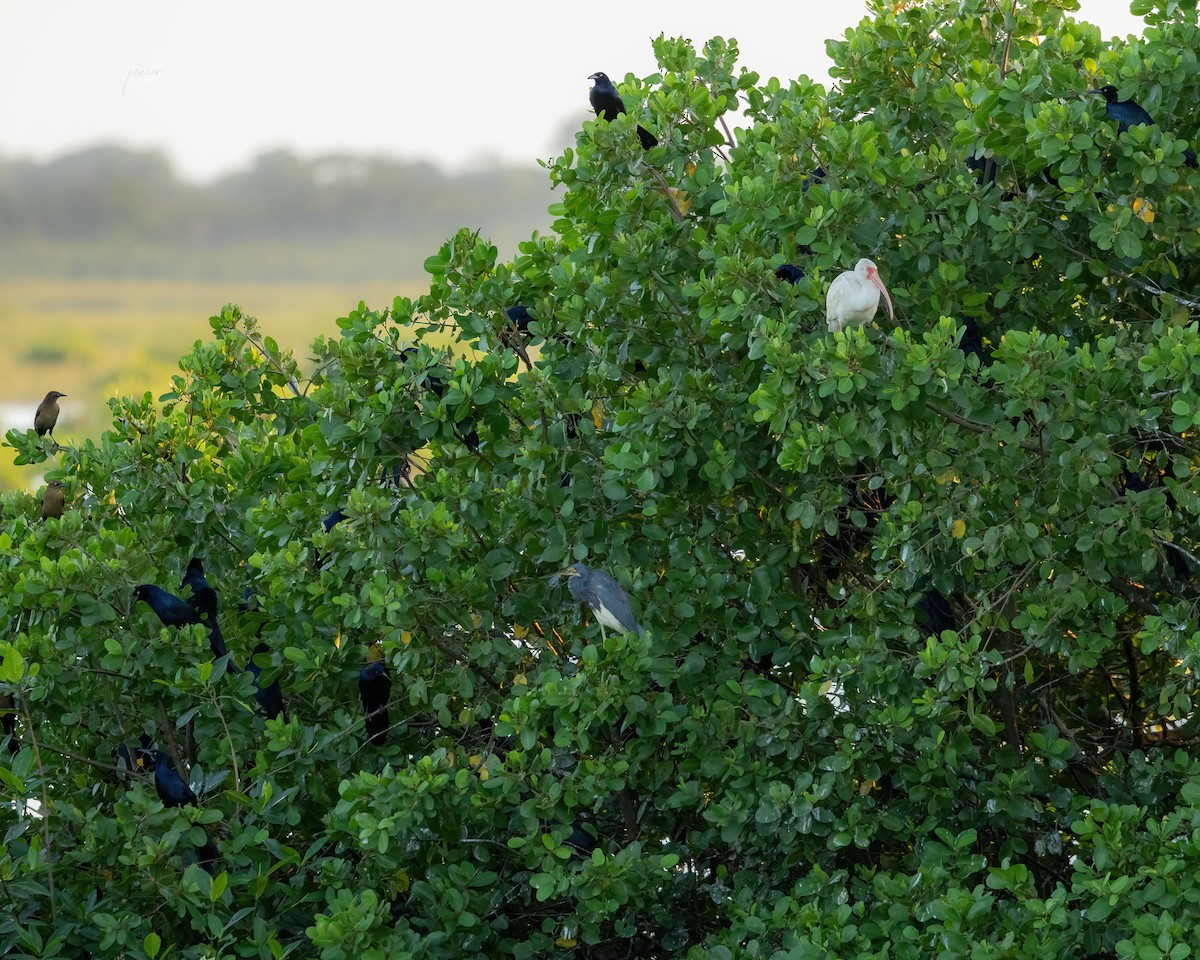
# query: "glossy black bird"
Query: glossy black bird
1129,113
207,853
270,697
972,342
173,611
607,103
436,383
375,688
984,169
936,612
123,760
334,519
331,521
8,721
581,839
514,333
46,415
172,789
249,601
789,273
141,759
519,317
1133,482
204,601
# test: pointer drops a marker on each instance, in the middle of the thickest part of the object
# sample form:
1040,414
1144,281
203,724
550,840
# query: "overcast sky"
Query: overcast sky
459,83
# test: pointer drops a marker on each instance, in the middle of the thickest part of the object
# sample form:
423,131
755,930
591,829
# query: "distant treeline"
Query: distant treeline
114,212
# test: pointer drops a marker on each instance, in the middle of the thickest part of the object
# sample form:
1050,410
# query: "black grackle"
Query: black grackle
375,688
789,273
972,342
207,853
204,602
142,758
1129,113
270,697
173,611
334,519
1132,482
331,521
514,333
607,102
172,789
8,721
581,838
936,612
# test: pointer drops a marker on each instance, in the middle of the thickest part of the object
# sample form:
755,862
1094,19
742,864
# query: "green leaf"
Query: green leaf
12,667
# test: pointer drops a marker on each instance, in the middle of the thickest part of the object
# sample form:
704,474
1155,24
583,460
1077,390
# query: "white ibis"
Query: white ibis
854,296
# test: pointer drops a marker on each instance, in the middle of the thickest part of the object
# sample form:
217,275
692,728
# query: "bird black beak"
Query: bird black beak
555,578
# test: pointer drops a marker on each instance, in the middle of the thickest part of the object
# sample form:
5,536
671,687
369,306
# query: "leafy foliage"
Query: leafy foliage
918,677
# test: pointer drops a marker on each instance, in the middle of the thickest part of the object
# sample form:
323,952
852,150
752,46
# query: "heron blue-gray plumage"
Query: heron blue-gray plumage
606,598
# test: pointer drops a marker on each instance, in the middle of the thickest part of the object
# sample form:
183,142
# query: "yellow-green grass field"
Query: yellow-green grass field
92,339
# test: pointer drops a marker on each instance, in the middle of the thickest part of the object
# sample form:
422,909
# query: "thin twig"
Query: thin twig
237,777
1007,44
976,426
1168,543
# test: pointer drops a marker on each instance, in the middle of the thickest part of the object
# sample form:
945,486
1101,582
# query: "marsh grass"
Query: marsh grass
93,339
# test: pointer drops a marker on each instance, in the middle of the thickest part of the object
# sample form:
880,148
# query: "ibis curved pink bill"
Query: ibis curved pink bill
854,296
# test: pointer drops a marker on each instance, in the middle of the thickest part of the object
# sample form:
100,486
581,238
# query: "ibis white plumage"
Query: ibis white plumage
854,296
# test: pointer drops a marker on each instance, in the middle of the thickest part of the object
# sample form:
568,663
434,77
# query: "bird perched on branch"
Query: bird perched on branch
270,697
854,296
375,688
607,103
972,342
53,500
141,759
47,413
935,613
174,611
607,598
174,791
789,273
514,333
334,519
204,601
8,721
1130,113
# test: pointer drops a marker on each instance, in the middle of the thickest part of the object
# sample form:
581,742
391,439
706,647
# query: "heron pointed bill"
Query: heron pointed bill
555,579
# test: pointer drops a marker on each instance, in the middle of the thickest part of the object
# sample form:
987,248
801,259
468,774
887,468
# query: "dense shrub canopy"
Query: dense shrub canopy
918,675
